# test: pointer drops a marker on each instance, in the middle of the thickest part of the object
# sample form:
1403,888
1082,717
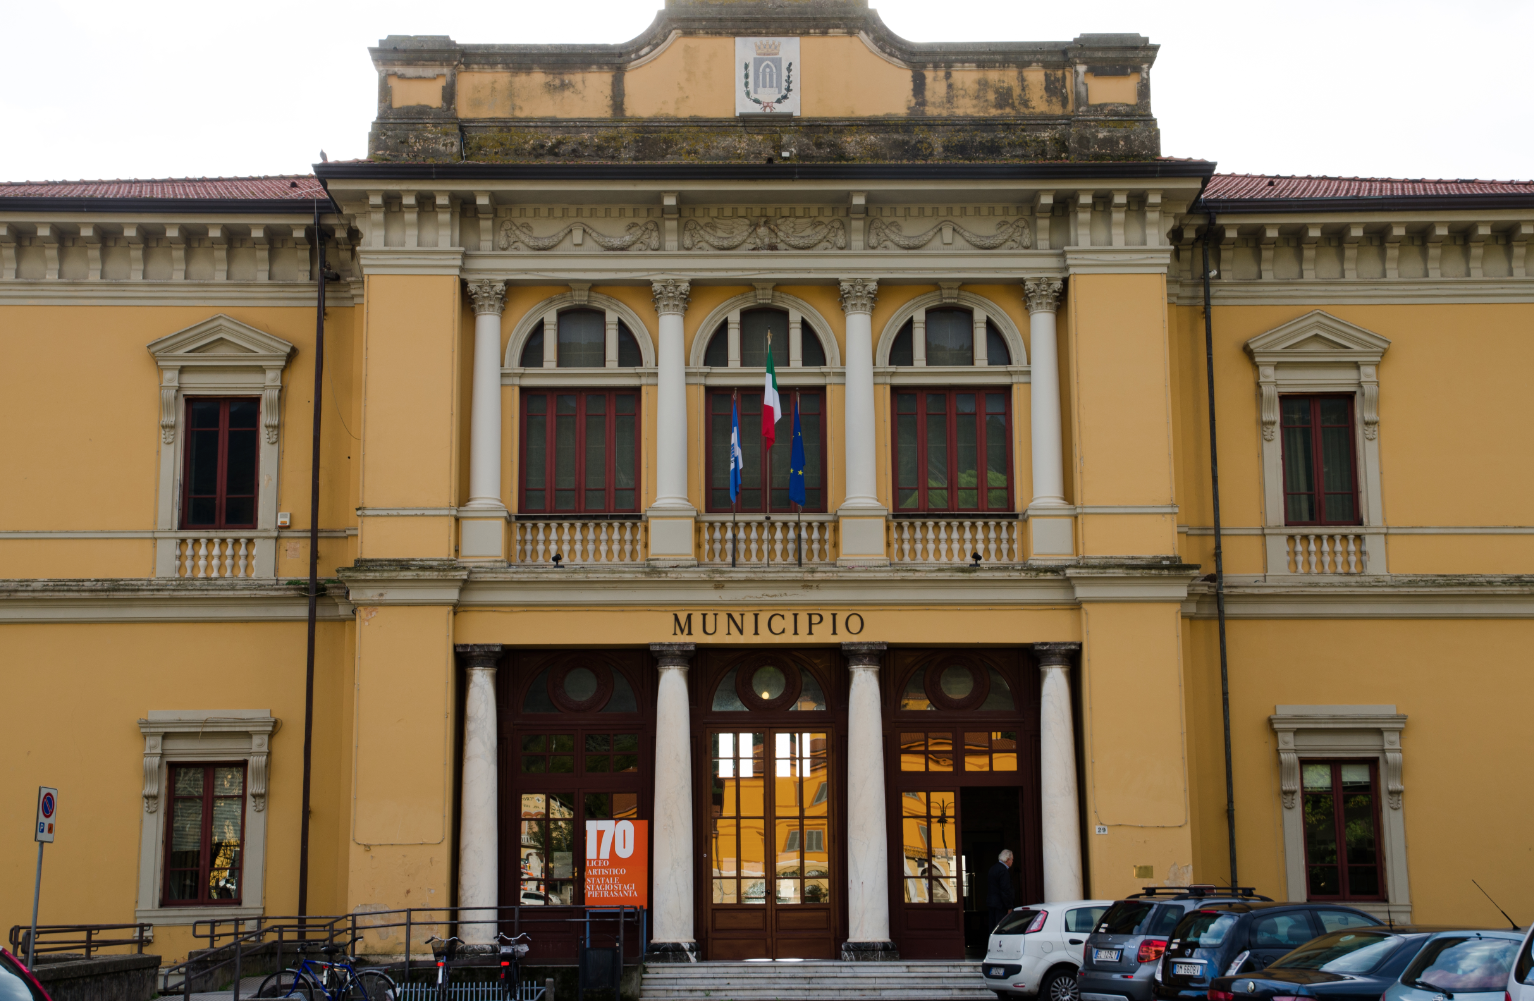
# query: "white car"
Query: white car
1036,950
1520,979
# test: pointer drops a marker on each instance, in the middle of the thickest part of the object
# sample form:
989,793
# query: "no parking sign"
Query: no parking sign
47,813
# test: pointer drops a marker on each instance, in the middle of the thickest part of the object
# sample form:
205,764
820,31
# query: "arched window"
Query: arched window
754,327
768,686
577,687
948,339
581,342
957,684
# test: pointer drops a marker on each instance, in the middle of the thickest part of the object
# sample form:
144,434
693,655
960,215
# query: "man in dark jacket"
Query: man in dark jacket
998,887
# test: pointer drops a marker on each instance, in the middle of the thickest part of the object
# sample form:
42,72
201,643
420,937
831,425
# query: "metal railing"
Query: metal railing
73,938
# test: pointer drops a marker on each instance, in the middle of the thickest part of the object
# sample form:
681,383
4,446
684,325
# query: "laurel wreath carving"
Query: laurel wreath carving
788,87
1011,234
636,236
765,234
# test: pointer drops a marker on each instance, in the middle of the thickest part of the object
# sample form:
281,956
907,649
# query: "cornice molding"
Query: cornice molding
1118,260
404,582
410,260
1363,292
1419,597
215,294
165,600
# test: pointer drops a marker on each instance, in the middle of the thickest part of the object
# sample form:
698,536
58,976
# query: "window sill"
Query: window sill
185,915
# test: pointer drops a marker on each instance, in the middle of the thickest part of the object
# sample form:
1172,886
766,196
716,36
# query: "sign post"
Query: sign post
47,813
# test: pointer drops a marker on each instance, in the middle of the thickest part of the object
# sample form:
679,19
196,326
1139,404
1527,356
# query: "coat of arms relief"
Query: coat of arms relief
767,76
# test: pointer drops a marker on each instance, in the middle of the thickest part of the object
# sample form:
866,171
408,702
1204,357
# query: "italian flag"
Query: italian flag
772,406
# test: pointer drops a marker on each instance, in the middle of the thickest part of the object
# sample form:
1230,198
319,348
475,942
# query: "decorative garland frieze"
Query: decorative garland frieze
636,236
765,233
1011,234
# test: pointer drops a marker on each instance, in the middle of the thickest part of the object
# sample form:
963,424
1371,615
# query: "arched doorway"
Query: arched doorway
962,756
575,745
771,870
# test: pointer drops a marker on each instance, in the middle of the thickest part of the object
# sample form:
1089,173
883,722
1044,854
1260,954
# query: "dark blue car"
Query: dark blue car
1354,964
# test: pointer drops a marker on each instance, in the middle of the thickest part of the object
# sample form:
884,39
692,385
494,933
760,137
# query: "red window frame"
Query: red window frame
751,426
951,394
1339,832
205,852
221,493
1318,494
581,500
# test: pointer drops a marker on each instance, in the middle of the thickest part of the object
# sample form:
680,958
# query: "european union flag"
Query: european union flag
737,458
796,461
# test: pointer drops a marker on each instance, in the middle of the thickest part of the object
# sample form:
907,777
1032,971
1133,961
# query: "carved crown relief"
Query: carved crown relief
1318,352
220,354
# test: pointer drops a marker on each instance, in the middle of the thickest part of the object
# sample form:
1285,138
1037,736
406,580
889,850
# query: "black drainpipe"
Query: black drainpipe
314,563
1219,556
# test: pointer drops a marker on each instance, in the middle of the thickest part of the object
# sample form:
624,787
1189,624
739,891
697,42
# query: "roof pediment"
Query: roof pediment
1318,336
220,340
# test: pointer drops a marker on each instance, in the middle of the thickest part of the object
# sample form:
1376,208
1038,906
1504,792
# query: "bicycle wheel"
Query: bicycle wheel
287,984
371,985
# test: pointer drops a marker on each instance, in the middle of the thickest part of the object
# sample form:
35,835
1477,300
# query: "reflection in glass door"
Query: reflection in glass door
769,844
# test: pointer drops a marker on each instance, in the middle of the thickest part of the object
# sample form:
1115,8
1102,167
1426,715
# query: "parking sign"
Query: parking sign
47,813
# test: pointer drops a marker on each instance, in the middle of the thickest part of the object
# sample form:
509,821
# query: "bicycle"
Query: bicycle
333,981
513,948
445,955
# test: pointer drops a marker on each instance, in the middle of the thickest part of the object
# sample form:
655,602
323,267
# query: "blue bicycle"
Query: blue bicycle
328,980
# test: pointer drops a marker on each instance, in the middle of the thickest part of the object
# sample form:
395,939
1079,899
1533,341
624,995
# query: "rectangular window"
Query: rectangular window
1320,487
219,488
204,838
953,450
764,479
580,452
1342,850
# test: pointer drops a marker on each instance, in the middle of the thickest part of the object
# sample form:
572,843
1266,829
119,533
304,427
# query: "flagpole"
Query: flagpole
734,494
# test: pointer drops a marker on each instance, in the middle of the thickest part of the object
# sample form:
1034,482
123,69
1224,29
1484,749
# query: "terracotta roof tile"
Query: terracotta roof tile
295,187
1228,188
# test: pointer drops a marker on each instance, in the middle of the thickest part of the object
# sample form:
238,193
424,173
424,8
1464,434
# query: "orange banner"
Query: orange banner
617,863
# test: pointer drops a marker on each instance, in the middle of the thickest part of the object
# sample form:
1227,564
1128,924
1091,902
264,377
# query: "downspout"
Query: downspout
314,564
1219,557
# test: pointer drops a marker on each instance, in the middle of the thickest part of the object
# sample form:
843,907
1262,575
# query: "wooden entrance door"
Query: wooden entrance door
769,845
771,878
962,751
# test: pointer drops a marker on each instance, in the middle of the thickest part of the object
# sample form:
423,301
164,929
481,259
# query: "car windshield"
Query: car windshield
1342,952
1205,929
1462,963
1016,922
1125,917
14,985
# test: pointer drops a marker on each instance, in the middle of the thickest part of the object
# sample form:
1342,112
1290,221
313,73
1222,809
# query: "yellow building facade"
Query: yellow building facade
963,601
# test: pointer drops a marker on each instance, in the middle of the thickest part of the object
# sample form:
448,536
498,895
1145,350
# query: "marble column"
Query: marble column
482,519
672,835
479,813
1050,526
1057,772
868,912
861,517
671,516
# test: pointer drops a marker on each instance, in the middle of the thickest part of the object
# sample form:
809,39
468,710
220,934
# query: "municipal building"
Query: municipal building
963,597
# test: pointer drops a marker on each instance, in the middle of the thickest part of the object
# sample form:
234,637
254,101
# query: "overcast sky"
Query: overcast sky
1403,88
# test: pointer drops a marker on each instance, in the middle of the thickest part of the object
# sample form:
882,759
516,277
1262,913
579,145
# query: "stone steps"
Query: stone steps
813,980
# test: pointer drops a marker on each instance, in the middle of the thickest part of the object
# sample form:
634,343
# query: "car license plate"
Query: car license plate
1106,955
996,971
1186,969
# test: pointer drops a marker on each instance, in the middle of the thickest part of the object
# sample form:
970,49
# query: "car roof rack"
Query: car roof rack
1197,891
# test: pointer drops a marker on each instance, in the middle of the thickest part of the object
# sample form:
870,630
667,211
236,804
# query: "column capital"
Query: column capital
489,296
673,655
1055,654
479,655
864,655
858,294
1043,294
671,295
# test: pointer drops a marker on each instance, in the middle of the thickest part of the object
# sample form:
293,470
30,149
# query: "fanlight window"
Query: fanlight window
582,342
578,687
768,685
957,685
948,340
754,327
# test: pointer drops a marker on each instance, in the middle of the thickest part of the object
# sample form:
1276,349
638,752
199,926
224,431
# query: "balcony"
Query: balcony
766,541
955,540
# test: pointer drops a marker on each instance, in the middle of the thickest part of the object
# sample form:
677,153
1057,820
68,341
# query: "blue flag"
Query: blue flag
796,461
737,459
